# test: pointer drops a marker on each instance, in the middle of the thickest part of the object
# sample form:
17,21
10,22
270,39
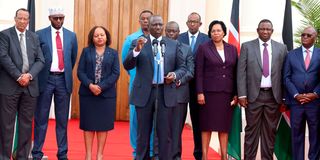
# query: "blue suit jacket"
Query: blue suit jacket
184,38
70,50
299,80
144,63
110,71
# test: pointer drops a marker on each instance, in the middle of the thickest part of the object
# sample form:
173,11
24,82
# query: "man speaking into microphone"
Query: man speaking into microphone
156,73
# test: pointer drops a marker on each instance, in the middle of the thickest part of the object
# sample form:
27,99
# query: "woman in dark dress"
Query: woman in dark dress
216,63
98,72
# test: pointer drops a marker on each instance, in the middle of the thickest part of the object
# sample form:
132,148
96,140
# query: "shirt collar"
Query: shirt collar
261,42
18,32
152,38
310,49
195,35
53,30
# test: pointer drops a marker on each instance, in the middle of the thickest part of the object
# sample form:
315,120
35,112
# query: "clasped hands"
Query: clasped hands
24,79
306,97
201,100
95,89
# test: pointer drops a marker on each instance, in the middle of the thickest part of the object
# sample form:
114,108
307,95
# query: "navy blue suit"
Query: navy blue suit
193,104
143,95
299,80
97,113
59,85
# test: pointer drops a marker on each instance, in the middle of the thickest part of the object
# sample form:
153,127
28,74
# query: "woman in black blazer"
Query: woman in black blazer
98,72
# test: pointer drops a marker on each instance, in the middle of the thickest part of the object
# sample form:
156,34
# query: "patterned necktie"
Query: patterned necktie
158,73
265,65
25,61
307,59
193,41
59,51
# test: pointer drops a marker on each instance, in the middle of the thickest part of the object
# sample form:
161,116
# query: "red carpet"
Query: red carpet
117,147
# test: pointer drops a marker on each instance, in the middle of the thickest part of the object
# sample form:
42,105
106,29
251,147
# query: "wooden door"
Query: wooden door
120,17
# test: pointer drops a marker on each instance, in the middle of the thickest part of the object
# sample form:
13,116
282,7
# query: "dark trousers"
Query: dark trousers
55,86
194,114
145,117
22,105
299,115
262,118
180,113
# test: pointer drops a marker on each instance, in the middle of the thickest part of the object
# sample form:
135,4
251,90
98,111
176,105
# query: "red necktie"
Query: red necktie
307,59
60,51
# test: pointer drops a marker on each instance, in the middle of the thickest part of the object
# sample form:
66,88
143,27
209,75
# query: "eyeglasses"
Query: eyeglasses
194,22
306,34
57,18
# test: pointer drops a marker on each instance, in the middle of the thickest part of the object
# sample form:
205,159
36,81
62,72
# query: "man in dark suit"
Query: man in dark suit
143,31
302,83
21,60
154,91
259,85
180,112
193,37
60,48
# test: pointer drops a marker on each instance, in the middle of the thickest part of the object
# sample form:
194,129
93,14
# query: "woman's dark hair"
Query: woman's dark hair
214,22
91,34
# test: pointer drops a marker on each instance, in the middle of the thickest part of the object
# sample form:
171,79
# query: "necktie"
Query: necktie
25,61
307,59
265,65
193,41
59,51
158,74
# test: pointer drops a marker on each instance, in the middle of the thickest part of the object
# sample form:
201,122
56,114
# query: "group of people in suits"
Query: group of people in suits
35,67
262,79
169,71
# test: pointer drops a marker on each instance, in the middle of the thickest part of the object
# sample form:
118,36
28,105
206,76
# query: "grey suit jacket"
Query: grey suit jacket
11,61
144,62
183,89
249,71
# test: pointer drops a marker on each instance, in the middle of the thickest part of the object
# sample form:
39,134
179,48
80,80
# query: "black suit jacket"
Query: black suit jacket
11,61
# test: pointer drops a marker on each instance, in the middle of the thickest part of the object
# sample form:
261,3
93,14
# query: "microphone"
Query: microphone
155,47
163,47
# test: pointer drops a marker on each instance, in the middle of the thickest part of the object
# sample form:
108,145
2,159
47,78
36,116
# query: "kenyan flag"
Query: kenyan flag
282,148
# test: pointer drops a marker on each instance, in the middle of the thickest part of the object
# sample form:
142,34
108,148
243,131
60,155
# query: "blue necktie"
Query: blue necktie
193,42
158,70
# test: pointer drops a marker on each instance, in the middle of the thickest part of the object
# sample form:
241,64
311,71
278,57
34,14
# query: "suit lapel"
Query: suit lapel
300,58
314,57
49,41
93,59
227,52
65,43
148,50
215,52
274,57
257,52
15,39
